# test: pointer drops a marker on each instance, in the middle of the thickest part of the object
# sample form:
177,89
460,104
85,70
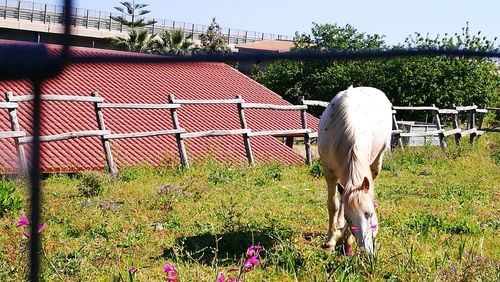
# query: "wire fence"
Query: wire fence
35,63
101,20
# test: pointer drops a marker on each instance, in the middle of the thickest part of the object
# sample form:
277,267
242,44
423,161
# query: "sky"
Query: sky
395,19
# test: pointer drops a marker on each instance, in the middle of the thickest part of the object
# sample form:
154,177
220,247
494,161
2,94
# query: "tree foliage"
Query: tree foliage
213,41
134,11
138,40
173,42
436,80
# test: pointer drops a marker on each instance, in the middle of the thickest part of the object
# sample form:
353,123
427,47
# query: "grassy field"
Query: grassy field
439,216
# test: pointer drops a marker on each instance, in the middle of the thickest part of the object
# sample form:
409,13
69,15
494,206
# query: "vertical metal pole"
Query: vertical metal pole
105,142
246,138
19,10
32,11
178,137
246,35
307,141
5,11
45,14
99,21
14,122
87,20
110,21
34,174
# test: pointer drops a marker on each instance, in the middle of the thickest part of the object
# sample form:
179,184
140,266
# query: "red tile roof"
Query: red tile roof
148,83
268,45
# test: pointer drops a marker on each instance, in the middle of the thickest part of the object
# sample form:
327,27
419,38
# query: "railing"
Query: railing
100,20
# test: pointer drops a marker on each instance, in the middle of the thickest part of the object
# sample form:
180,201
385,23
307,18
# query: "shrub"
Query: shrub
9,202
90,185
316,168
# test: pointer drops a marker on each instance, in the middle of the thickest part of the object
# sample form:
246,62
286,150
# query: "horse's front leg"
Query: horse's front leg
335,215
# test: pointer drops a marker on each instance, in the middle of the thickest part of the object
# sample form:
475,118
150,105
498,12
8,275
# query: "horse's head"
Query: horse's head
360,213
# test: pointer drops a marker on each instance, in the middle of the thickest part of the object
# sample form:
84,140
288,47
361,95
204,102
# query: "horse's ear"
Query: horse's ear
340,188
366,185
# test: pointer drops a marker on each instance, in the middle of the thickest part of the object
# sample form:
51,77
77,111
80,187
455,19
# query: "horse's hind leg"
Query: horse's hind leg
334,211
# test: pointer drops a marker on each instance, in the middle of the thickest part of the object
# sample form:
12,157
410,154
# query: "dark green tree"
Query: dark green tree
134,11
436,80
213,41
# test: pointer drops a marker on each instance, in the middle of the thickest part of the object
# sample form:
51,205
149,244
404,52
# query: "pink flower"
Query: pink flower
171,272
41,228
221,277
132,270
251,262
23,222
374,227
354,228
252,250
348,251
375,204
232,280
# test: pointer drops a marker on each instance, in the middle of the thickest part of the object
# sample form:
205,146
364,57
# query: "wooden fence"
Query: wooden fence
471,128
20,137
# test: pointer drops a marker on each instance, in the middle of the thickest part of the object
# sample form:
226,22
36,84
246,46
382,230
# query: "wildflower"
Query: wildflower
132,270
252,250
171,272
23,222
374,227
480,258
251,263
221,277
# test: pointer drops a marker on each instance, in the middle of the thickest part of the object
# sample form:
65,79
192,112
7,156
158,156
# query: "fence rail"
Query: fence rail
471,129
101,20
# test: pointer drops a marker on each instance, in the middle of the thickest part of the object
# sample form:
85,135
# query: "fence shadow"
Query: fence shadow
228,247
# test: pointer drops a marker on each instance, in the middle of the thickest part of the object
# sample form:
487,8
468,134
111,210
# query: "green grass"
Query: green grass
438,212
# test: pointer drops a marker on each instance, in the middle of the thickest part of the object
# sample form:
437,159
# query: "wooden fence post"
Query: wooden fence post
307,141
246,138
14,124
455,123
396,128
180,142
482,107
105,142
472,121
437,121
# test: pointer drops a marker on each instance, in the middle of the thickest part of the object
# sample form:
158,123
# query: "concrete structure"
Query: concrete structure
37,22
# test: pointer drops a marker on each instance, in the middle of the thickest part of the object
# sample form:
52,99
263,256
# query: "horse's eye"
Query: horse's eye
368,215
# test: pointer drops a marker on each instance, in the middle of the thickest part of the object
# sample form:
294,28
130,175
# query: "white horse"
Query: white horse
354,133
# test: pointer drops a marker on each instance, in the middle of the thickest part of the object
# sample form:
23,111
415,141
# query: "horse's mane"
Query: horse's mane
357,166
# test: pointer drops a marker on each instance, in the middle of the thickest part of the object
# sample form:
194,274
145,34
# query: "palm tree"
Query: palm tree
173,42
133,10
138,41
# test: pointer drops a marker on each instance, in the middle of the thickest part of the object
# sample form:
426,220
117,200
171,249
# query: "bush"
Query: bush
90,185
406,81
9,202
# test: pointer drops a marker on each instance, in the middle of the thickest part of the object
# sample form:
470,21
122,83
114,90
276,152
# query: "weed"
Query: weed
9,201
316,168
90,185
